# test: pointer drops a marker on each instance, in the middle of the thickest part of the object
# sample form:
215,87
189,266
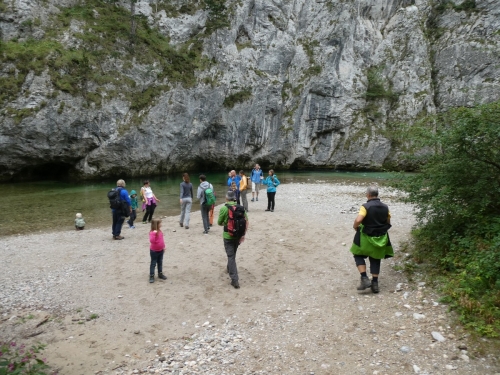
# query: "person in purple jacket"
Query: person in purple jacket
118,217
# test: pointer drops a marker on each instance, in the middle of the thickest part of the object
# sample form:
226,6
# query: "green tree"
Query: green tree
457,196
217,15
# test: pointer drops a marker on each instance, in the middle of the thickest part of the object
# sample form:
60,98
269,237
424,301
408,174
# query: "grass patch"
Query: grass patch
238,97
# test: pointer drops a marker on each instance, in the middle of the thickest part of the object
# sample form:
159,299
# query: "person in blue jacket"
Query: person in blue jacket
118,216
271,182
256,177
233,177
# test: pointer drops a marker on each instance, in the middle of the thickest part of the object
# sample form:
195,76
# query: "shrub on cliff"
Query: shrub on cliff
457,196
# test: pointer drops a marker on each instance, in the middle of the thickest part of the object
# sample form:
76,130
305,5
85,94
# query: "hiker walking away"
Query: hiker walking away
148,202
205,206
256,177
233,177
371,239
243,190
117,213
235,222
271,182
186,200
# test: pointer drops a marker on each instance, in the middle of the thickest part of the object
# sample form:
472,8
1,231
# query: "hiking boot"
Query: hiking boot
186,227
256,199
151,279
118,237
132,227
365,283
144,222
272,210
205,232
375,287
268,209
162,276
235,284
181,225
253,200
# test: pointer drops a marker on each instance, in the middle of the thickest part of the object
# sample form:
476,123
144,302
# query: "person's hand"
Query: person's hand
242,239
180,200
157,200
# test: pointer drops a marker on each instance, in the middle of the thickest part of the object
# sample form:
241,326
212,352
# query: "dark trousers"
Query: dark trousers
133,216
374,263
270,200
204,216
150,210
156,258
118,220
231,246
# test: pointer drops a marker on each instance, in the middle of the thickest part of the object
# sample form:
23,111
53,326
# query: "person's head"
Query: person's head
78,215
271,172
155,224
146,183
233,173
230,196
120,183
185,177
257,166
233,185
372,192
242,173
203,178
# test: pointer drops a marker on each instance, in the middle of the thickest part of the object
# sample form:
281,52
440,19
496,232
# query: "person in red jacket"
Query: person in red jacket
156,250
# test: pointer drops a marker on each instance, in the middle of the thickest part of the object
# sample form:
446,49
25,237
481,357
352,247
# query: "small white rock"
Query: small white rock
416,369
438,337
418,316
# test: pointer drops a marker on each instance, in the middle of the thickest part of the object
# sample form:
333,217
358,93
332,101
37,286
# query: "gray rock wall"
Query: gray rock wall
307,64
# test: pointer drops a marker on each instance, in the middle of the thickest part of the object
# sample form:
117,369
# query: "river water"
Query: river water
51,205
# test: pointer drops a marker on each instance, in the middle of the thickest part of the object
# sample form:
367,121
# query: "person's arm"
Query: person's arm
276,181
182,190
222,219
191,188
229,180
359,218
198,192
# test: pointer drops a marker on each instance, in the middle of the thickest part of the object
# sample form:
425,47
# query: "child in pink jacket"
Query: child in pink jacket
156,250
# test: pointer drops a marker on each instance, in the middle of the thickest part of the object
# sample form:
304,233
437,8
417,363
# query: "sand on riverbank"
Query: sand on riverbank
297,311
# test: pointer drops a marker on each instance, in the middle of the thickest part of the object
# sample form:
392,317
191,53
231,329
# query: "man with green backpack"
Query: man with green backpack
206,195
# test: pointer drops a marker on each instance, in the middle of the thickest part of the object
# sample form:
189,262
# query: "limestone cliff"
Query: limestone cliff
215,84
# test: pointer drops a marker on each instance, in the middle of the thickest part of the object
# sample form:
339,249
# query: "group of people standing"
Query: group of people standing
148,200
371,225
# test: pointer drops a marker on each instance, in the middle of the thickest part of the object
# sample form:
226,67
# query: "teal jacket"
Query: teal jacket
133,200
271,182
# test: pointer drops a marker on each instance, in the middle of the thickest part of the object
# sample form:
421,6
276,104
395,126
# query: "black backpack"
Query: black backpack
116,203
237,222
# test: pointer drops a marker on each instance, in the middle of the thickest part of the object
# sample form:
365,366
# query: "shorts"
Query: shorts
255,187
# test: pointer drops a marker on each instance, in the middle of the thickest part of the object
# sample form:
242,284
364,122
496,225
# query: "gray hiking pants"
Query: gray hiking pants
231,246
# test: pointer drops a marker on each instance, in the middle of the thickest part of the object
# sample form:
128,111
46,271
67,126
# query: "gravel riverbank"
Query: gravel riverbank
297,312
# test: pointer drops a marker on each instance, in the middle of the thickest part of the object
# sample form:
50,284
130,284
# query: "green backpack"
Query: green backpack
209,196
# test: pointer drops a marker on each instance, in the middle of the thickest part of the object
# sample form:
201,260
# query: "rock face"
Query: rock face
290,84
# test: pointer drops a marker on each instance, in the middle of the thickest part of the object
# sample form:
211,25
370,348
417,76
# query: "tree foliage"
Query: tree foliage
457,196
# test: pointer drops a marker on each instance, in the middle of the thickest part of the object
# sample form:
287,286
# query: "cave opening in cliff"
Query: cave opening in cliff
48,171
